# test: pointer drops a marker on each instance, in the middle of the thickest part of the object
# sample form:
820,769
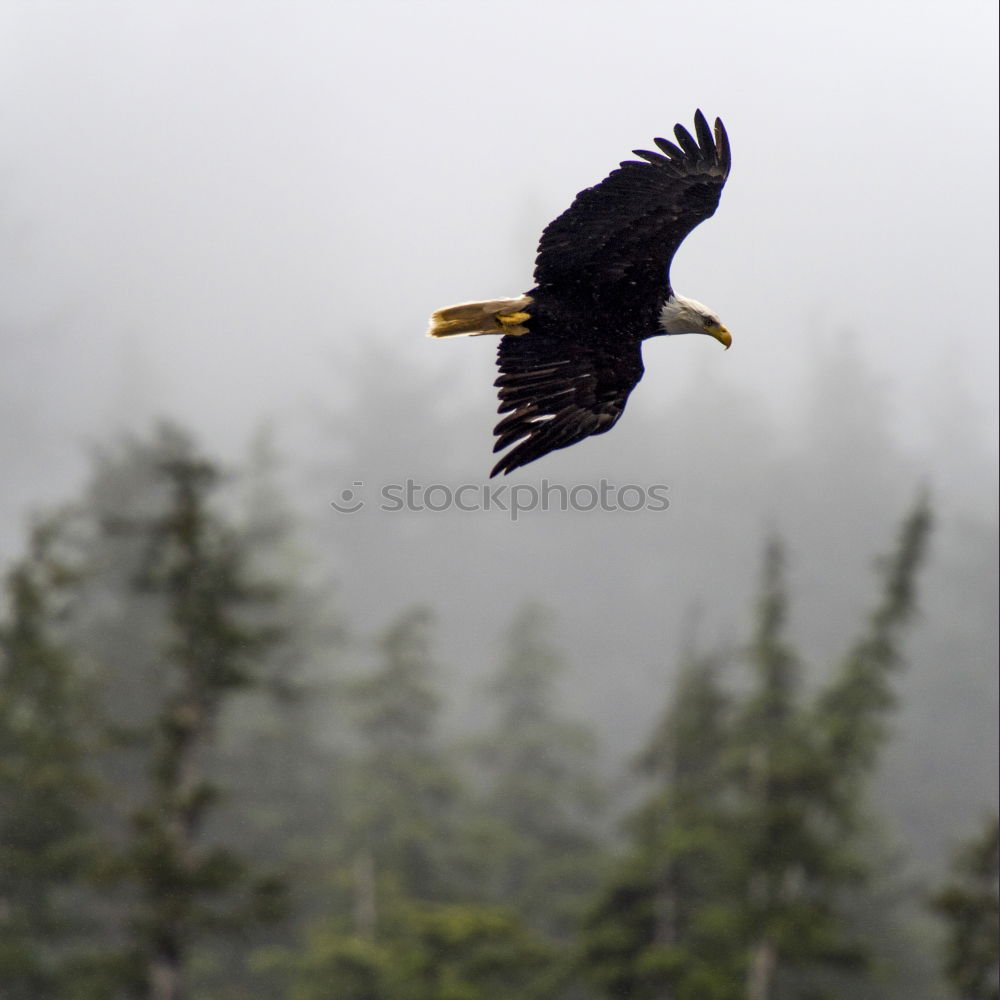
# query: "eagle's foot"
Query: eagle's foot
513,323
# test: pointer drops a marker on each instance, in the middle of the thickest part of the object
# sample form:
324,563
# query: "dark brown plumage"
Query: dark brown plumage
571,353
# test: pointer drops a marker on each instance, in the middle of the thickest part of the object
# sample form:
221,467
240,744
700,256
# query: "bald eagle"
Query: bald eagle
572,346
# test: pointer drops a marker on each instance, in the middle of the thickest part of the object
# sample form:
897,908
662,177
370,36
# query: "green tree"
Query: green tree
404,796
436,951
852,713
540,796
408,926
279,750
794,864
46,842
660,929
194,563
803,779
156,714
742,875
969,904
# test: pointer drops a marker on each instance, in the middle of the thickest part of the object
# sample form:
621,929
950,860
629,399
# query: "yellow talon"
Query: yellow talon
512,324
512,319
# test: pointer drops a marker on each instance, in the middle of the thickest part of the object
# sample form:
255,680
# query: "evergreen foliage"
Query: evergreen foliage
404,795
745,859
969,904
655,931
438,951
189,754
539,793
46,845
195,563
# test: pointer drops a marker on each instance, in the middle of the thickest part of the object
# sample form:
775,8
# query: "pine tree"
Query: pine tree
403,795
46,844
436,951
803,781
793,865
540,795
149,786
411,927
658,931
195,565
851,714
969,905
741,873
279,747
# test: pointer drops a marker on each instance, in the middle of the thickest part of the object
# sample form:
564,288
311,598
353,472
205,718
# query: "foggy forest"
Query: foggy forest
296,703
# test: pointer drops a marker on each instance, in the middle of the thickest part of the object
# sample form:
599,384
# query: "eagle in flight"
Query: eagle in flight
571,347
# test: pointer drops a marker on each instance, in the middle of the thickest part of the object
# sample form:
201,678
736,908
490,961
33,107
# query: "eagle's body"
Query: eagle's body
571,348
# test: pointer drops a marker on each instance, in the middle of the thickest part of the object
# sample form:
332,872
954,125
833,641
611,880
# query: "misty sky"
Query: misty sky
207,207
231,213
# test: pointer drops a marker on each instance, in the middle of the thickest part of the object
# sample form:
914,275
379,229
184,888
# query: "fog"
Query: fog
242,214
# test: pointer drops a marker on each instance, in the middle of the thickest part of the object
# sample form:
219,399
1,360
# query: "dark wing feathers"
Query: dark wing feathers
672,151
658,158
690,147
621,234
557,391
706,141
601,275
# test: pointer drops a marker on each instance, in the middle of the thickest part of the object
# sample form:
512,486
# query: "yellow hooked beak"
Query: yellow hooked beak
721,334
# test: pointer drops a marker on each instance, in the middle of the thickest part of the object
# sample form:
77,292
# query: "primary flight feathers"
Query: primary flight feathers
571,352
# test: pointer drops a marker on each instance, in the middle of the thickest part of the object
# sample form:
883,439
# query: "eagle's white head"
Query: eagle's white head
681,315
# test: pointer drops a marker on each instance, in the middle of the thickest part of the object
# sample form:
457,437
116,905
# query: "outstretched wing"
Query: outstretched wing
557,392
621,234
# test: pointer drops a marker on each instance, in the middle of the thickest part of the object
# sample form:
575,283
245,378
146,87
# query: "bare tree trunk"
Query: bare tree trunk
763,954
665,930
178,816
763,960
165,978
365,907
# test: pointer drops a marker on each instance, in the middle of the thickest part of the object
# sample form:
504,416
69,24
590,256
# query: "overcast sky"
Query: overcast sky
206,206
229,212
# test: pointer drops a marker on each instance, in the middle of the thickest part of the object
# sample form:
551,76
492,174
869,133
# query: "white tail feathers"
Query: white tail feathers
471,319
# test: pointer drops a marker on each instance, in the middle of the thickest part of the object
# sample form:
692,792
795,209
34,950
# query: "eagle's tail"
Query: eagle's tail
474,318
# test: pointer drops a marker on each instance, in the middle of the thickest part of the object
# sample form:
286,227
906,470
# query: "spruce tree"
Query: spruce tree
436,951
742,874
851,715
968,904
403,792
194,565
46,841
805,766
793,862
153,730
660,929
279,749
540,796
